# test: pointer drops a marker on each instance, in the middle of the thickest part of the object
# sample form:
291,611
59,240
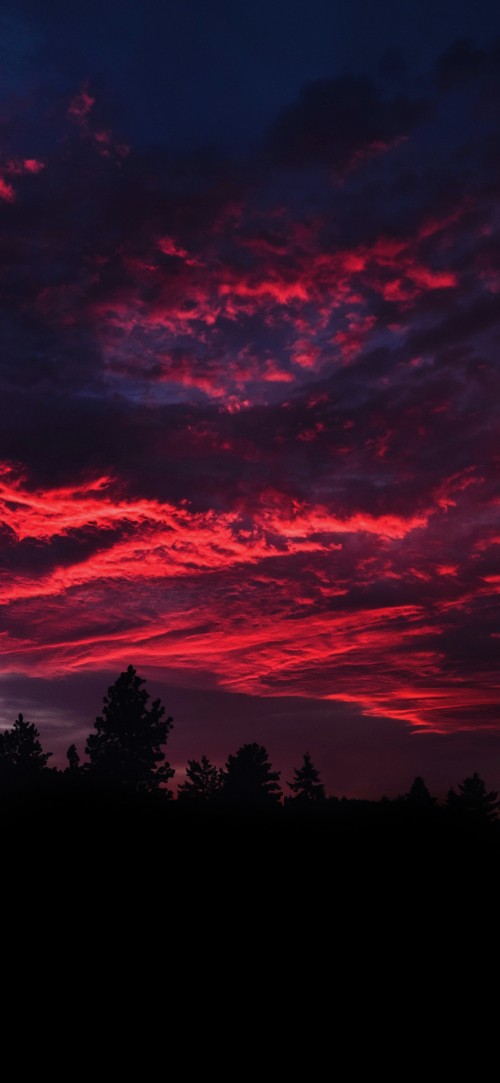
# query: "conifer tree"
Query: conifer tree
126,749
419,796
473,797
203,781
73,759
307,785
20,748
248,779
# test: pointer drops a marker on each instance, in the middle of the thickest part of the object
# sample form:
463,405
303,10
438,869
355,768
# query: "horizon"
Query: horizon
27,754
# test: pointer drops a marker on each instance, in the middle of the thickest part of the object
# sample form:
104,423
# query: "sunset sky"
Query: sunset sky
250,390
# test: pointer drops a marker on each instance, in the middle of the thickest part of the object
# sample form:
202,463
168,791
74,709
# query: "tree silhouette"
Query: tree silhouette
473,797
307,785
22,758
73,759
203,781
419,796
126,749
249,781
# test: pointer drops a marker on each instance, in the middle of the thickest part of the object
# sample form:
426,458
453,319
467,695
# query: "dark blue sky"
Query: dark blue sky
190,72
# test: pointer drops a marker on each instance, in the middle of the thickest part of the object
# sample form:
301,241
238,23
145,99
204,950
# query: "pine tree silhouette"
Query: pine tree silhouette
474,798
73,759
23,763
126,749
20,748
248,779
419,795
203,782
307,785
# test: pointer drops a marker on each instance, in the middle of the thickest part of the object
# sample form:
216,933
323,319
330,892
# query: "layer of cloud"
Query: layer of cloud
250,406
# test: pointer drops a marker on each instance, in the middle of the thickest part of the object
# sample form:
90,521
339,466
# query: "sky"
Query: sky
249,378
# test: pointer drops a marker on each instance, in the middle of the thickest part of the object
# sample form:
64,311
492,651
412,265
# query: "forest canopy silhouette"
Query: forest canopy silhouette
126,762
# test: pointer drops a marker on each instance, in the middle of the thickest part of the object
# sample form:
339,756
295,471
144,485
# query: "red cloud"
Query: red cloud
337,544
80,111
16,167
317,297
32,165
257,632
6,191
80,106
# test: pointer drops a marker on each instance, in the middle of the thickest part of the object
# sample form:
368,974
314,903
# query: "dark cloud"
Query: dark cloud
462,63
337,122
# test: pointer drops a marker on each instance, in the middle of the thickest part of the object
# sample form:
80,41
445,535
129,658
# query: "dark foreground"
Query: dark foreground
209,911
148,842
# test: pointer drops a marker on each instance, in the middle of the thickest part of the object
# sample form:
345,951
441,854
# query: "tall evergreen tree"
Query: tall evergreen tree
22,759
307,785
419,796
473,797
73,759
203,782
248,779
126,748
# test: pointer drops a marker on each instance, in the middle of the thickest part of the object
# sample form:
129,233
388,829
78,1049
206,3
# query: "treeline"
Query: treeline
125,759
